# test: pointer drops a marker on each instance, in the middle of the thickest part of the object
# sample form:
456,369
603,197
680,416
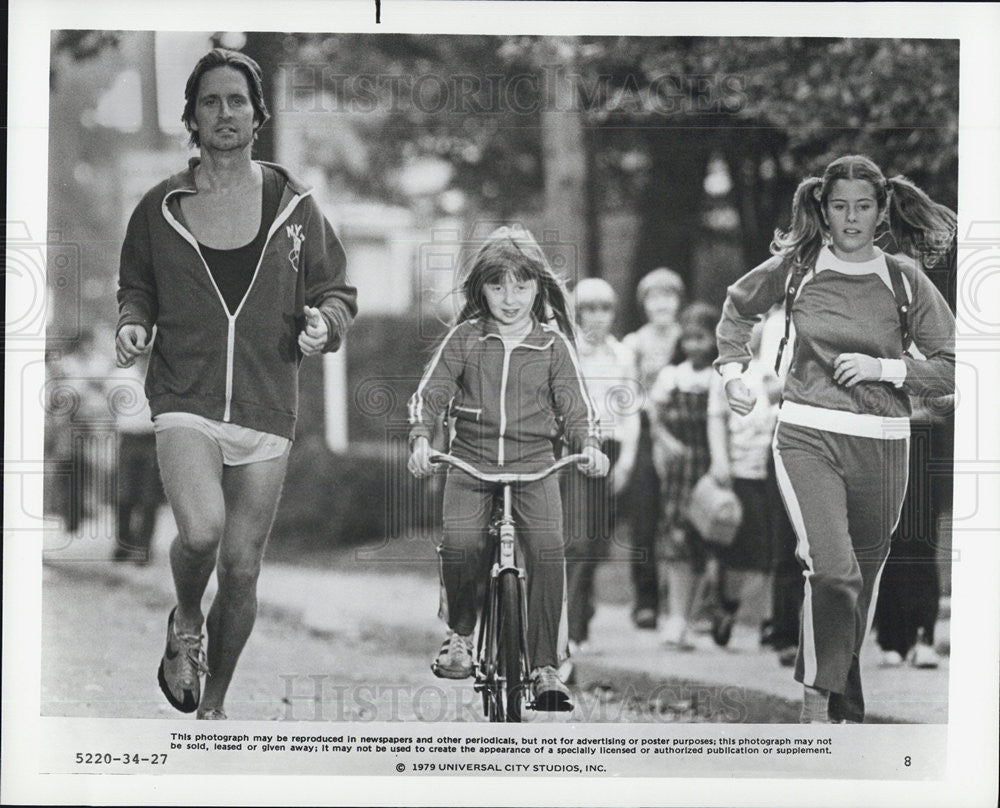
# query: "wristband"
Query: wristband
893,371
730,371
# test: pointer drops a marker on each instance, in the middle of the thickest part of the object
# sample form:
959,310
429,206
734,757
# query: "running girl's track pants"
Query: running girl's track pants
466,559
843,495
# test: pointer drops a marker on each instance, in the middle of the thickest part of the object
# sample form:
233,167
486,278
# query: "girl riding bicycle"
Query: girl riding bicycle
508,375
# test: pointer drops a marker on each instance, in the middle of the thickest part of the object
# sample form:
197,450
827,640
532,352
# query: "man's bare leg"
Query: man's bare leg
191,468
251,492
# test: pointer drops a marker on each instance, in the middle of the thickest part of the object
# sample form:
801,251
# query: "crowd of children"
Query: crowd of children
691,400
679,429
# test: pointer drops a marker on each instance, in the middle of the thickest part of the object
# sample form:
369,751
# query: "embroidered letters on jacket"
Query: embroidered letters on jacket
294,232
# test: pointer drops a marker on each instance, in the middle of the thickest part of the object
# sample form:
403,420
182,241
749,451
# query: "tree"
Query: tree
776,110
80,46
572,128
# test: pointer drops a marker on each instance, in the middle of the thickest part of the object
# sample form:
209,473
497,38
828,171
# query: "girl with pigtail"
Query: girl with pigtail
842,443
508,375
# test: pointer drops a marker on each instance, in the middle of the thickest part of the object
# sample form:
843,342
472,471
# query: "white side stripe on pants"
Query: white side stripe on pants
802,551
562,641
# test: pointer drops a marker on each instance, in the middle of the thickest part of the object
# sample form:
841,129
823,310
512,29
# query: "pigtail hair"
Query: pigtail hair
921,227
804,237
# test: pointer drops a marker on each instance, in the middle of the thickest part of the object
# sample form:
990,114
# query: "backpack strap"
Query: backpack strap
792,286
902,301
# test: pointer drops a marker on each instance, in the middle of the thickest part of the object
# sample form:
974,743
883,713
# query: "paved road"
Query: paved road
103,630
353,643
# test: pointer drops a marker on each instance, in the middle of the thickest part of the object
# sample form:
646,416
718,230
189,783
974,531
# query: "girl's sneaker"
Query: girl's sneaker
548,690
454,660
674,633
890,659
924,656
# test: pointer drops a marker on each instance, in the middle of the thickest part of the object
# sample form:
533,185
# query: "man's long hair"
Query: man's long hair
221,57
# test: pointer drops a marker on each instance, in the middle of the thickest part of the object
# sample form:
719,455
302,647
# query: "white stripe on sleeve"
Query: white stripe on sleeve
416,403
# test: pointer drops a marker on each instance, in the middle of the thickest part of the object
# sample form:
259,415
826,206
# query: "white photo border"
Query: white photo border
972,737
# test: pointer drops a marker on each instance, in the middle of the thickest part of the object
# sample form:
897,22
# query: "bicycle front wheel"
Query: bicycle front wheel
510,644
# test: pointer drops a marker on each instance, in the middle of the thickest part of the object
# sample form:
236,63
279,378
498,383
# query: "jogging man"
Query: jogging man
235,266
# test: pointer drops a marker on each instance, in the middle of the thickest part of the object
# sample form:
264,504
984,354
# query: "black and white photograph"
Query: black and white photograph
620,376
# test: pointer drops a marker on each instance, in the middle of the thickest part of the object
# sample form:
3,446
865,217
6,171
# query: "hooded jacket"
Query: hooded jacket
239,368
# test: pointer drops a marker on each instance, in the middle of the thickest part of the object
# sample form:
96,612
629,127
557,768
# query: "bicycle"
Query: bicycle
502,665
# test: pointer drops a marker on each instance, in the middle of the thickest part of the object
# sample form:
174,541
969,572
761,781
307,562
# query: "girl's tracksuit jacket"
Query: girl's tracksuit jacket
841,453
239,368
508,404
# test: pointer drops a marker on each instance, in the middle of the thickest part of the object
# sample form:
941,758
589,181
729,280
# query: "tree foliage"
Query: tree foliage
777,109
655,111
81,45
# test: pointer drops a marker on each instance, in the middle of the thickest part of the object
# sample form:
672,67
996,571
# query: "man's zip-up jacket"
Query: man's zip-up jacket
239,367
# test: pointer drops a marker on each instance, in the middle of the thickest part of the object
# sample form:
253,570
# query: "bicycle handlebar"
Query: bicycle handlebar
505,478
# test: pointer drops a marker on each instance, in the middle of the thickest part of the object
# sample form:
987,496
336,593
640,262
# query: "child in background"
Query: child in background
508,373
140,491
678,404
76,378
740,448
906,609
609,370
655,346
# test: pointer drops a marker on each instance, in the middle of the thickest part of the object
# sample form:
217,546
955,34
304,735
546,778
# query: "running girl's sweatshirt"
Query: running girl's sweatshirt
845,307
508,403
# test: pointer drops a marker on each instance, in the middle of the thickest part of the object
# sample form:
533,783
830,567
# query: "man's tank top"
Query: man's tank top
233,269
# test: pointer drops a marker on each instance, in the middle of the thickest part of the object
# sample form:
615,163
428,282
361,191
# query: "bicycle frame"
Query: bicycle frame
501,697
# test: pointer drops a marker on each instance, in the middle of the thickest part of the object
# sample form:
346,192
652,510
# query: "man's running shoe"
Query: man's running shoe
215,714
454,660
549,691
182,664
